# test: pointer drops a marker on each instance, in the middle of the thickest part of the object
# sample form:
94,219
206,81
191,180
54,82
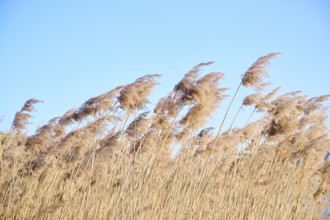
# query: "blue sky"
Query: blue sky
64,52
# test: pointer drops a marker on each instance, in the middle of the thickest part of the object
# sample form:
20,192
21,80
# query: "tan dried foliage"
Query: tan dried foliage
110,160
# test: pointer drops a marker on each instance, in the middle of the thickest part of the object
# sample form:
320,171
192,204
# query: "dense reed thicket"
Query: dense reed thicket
112,158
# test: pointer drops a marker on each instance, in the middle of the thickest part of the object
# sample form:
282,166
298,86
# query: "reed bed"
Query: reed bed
113,158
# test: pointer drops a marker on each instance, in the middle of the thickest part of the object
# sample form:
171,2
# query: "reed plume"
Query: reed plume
205,97
135,95
22,117
253,77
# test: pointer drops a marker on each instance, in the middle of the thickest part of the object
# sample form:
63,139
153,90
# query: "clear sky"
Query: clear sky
65,51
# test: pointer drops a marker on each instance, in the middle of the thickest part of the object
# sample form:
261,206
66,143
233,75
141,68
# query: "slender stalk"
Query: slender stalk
133,170
237,113
250,116
225,117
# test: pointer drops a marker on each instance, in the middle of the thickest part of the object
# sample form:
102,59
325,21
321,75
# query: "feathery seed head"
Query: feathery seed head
205,96
22,117
253,77
135,95
252,100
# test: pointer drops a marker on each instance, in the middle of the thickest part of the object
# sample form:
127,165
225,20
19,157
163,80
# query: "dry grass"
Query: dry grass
110,160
